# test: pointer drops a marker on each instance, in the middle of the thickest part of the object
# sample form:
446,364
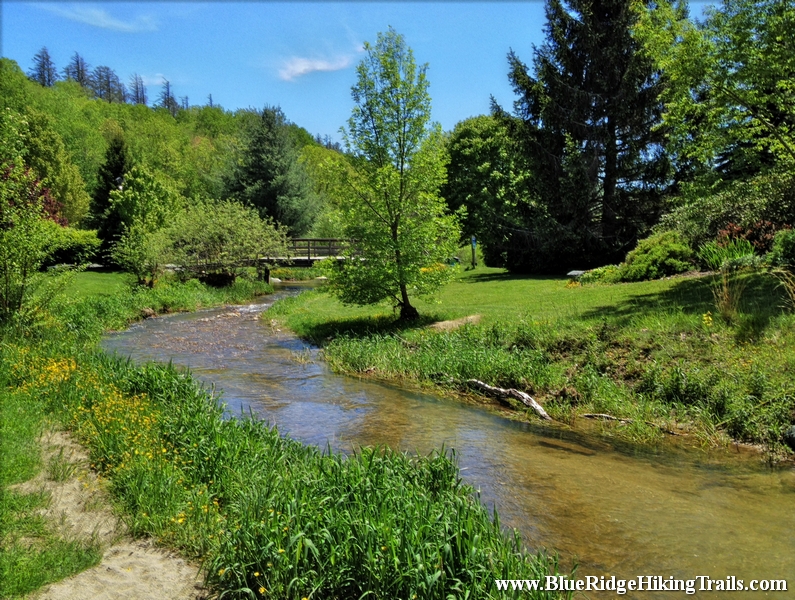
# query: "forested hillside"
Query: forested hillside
631,118
107,160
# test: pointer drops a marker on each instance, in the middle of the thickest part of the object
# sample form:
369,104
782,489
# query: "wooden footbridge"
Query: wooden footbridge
301,252
304,252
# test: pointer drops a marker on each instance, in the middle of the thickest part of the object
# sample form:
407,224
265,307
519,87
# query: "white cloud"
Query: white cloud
98,17
157,79
297,66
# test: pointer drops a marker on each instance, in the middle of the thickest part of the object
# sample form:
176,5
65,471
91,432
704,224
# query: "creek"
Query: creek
613,508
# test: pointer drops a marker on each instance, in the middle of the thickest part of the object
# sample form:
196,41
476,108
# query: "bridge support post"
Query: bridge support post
263,273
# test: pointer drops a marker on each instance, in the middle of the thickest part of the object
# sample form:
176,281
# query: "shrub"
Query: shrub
783,252
222,237
75,246
661,254
28,235
769,197
606,274
761,234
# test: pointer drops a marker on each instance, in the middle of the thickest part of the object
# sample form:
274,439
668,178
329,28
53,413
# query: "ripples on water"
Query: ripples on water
614,508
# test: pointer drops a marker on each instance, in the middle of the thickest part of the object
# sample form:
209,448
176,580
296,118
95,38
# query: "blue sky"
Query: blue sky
300,56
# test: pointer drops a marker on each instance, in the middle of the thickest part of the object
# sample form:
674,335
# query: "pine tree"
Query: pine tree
107,86
78,70
137,90
167,100
271,179
110,177
43,71
586,122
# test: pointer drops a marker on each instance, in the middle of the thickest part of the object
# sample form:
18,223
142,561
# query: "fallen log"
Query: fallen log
503,394
605,417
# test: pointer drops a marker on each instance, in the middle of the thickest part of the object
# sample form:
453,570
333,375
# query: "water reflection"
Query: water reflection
616,509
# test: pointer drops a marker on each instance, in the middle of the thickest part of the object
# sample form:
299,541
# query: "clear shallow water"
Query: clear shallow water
613,508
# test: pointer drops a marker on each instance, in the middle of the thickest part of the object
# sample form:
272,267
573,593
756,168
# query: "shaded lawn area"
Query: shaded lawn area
499,296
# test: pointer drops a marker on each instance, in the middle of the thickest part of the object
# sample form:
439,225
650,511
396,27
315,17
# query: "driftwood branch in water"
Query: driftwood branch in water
605,417
502,394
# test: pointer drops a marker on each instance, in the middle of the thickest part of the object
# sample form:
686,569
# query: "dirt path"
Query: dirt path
80,507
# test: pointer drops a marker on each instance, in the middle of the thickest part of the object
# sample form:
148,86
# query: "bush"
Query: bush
743,204
661,254
606,274
75,247
222,238
783,252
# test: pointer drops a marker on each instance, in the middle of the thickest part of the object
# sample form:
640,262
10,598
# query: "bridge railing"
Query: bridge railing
316,247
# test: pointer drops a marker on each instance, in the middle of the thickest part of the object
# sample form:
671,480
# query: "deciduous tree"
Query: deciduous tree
403,234
487,177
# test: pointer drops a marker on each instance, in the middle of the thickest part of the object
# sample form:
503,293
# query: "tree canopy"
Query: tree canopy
585,119
403,234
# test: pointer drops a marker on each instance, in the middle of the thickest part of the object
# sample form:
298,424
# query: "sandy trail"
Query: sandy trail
80,508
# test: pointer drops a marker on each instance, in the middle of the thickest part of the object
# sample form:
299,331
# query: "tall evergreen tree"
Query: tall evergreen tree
269,176
167,100
78,70
109,178
43,71
137,90
107,86
586,121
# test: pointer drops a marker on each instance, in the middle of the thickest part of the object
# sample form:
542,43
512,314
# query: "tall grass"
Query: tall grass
32,552
268,516
272,517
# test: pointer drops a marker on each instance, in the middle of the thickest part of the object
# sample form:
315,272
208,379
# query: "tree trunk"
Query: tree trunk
609,224
407,311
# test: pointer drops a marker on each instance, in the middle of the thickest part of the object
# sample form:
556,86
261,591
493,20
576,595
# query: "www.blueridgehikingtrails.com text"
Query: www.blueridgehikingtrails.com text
642,583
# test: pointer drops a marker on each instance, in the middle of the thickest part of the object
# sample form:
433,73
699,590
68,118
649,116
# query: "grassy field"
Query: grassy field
654,353
98,283
267,516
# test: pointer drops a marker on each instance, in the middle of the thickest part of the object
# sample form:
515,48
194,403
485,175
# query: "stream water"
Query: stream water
613,508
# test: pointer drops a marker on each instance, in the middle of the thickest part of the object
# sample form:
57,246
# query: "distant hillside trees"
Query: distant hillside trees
137,90
78,70
107,86
167,100
43,71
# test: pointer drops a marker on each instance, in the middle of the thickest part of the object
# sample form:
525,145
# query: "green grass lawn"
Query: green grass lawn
654,352
98,283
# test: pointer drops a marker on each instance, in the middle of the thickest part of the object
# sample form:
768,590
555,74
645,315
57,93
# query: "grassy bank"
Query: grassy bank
269,517
650,353
36,358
